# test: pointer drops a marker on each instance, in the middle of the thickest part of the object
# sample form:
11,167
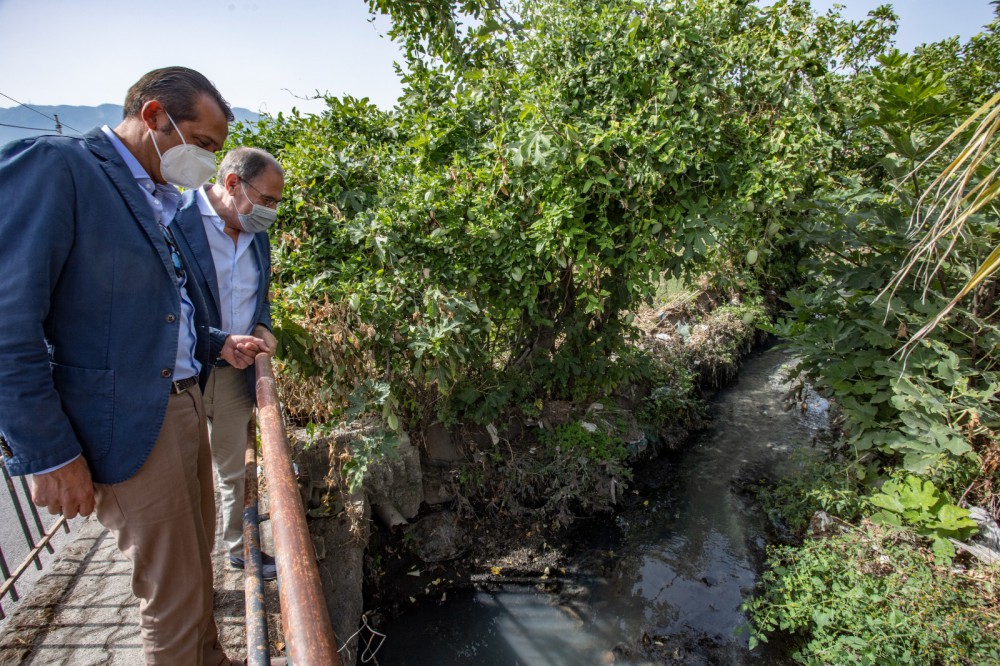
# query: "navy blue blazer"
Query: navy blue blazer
89,310
189,231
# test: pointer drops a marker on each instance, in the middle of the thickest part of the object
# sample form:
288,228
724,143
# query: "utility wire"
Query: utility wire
38,129
57,122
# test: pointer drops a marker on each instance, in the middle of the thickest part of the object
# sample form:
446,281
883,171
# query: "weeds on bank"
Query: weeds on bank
821,486
581,461
873,596
883,592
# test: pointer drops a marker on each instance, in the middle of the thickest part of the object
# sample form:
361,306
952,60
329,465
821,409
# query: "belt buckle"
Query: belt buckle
181,385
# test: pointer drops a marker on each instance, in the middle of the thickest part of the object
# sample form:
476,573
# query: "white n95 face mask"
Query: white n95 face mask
185,165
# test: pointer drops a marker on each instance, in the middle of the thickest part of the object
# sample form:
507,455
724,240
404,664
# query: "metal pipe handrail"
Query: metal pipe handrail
304,617
258,652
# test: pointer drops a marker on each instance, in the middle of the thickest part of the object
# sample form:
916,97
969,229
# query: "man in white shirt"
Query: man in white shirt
225,225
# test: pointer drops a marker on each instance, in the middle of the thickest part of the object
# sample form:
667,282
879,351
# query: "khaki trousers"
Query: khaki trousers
164,521
229,407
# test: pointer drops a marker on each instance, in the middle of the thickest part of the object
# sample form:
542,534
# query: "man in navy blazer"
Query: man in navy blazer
225,228
104,345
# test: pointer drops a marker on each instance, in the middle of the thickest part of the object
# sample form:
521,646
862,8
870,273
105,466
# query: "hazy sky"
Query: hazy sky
264,54
261,54
922,21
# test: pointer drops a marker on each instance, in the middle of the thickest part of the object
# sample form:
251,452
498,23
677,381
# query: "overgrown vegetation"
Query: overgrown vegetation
490,239
873,597
918,430
481,251
577,458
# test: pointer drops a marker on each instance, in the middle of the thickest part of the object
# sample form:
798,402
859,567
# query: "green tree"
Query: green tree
489,238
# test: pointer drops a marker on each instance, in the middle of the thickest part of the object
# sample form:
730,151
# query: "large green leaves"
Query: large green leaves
916,503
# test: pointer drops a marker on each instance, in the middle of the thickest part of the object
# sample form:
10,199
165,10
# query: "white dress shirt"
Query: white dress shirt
236,270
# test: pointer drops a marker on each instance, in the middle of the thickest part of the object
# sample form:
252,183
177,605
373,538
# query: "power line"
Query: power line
57,122
37,129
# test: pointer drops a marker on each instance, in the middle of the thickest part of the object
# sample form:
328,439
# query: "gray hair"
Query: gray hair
247,164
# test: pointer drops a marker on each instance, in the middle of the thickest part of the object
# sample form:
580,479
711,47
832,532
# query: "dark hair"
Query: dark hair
247,163
177,89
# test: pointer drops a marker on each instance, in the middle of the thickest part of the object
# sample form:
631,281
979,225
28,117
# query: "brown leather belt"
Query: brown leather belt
181,385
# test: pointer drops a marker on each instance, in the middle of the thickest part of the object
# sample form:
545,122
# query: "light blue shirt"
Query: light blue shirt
236,270
163,200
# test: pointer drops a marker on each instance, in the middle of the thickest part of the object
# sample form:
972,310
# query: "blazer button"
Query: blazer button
166,372
171,318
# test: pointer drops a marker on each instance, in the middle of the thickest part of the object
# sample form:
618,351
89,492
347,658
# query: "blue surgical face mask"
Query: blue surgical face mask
260,218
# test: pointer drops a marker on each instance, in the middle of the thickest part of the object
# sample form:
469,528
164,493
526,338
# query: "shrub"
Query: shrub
869,597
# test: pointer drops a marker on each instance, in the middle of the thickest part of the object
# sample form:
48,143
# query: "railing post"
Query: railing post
258,650
20,516
304,617
8,579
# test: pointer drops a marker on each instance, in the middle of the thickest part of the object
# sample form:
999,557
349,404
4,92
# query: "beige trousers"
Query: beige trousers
229,407
163,518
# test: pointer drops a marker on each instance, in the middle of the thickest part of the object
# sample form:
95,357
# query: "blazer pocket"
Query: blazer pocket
88,399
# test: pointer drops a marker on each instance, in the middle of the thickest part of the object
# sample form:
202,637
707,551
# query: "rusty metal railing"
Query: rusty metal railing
8,587
305,621
258,652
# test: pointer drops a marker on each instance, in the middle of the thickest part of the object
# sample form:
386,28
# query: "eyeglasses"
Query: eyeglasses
175,254
265,200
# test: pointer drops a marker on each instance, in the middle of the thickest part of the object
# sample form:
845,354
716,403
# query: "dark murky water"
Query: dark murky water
660,583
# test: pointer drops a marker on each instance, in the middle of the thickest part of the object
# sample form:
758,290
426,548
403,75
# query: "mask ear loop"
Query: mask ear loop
175,127
245,196
152,135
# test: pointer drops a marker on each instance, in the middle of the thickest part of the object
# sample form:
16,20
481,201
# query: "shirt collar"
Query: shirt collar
206,209
204,205
135,168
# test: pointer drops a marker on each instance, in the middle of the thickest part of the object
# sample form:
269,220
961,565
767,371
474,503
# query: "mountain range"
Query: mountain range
74,119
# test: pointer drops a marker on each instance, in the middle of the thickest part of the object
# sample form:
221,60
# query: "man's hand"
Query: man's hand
68,490
239,351
264,334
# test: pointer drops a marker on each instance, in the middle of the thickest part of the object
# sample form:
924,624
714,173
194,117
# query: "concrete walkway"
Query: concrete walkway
82,611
